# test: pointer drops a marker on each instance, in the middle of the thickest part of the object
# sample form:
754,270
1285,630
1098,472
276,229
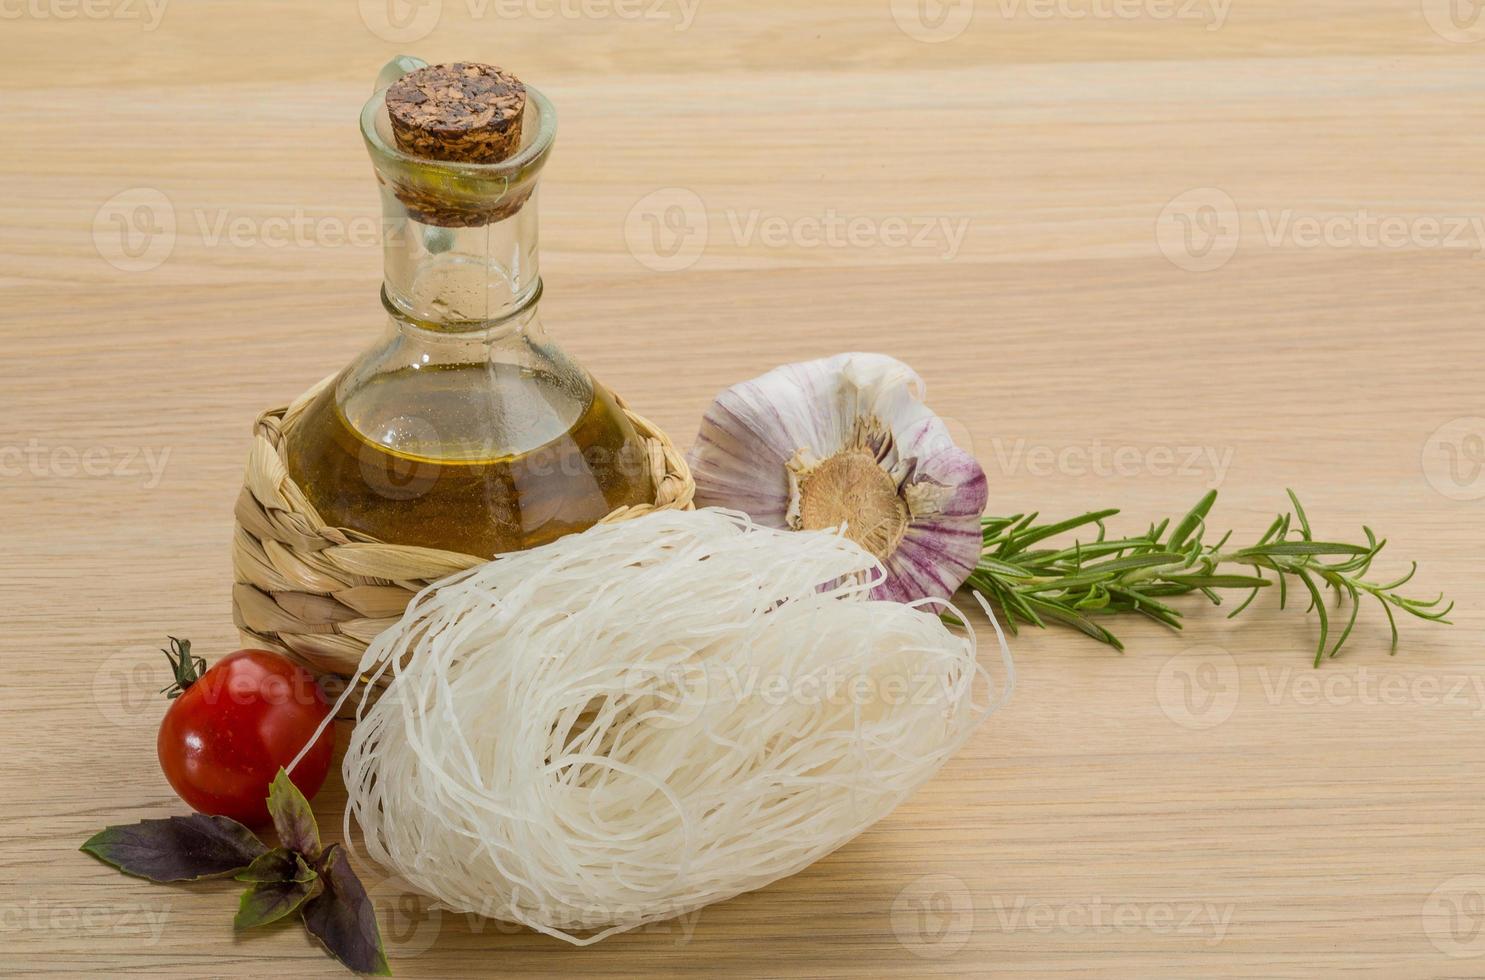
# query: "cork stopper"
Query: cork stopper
463,112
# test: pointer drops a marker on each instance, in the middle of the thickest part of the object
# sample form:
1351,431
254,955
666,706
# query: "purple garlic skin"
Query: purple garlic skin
847,441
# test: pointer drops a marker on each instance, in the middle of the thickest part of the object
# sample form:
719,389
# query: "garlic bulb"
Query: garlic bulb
847,440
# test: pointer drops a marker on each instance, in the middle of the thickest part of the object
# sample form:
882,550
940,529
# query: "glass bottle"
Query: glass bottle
464,427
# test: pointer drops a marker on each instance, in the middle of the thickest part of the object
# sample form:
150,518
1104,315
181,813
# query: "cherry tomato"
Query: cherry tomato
230,729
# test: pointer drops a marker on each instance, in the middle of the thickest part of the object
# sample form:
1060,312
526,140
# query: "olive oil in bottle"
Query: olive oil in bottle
464,428
475,458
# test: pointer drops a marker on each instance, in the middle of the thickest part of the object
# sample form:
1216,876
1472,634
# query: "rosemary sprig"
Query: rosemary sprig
1074,585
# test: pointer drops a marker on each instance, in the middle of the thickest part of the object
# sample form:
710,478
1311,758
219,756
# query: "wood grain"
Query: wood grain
1203,805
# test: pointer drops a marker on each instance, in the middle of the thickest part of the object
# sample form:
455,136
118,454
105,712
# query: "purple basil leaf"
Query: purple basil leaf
177,848
269,901
278,865
292,817
342,917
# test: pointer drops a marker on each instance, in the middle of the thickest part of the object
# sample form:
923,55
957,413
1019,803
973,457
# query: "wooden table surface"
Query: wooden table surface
1138,248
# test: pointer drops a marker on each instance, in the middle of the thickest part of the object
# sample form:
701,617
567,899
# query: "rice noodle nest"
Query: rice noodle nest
633,722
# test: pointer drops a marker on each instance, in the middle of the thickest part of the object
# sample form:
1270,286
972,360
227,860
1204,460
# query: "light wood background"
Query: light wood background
1203,805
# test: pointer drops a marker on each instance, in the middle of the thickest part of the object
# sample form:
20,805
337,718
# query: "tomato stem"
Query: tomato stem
187,669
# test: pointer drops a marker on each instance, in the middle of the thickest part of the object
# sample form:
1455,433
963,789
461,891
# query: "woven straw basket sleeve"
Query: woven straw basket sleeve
320,594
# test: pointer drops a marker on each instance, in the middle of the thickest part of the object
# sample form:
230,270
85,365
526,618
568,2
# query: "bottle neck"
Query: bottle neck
457,277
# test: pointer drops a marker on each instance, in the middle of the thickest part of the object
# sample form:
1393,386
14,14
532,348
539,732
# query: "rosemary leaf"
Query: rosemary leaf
1114,576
